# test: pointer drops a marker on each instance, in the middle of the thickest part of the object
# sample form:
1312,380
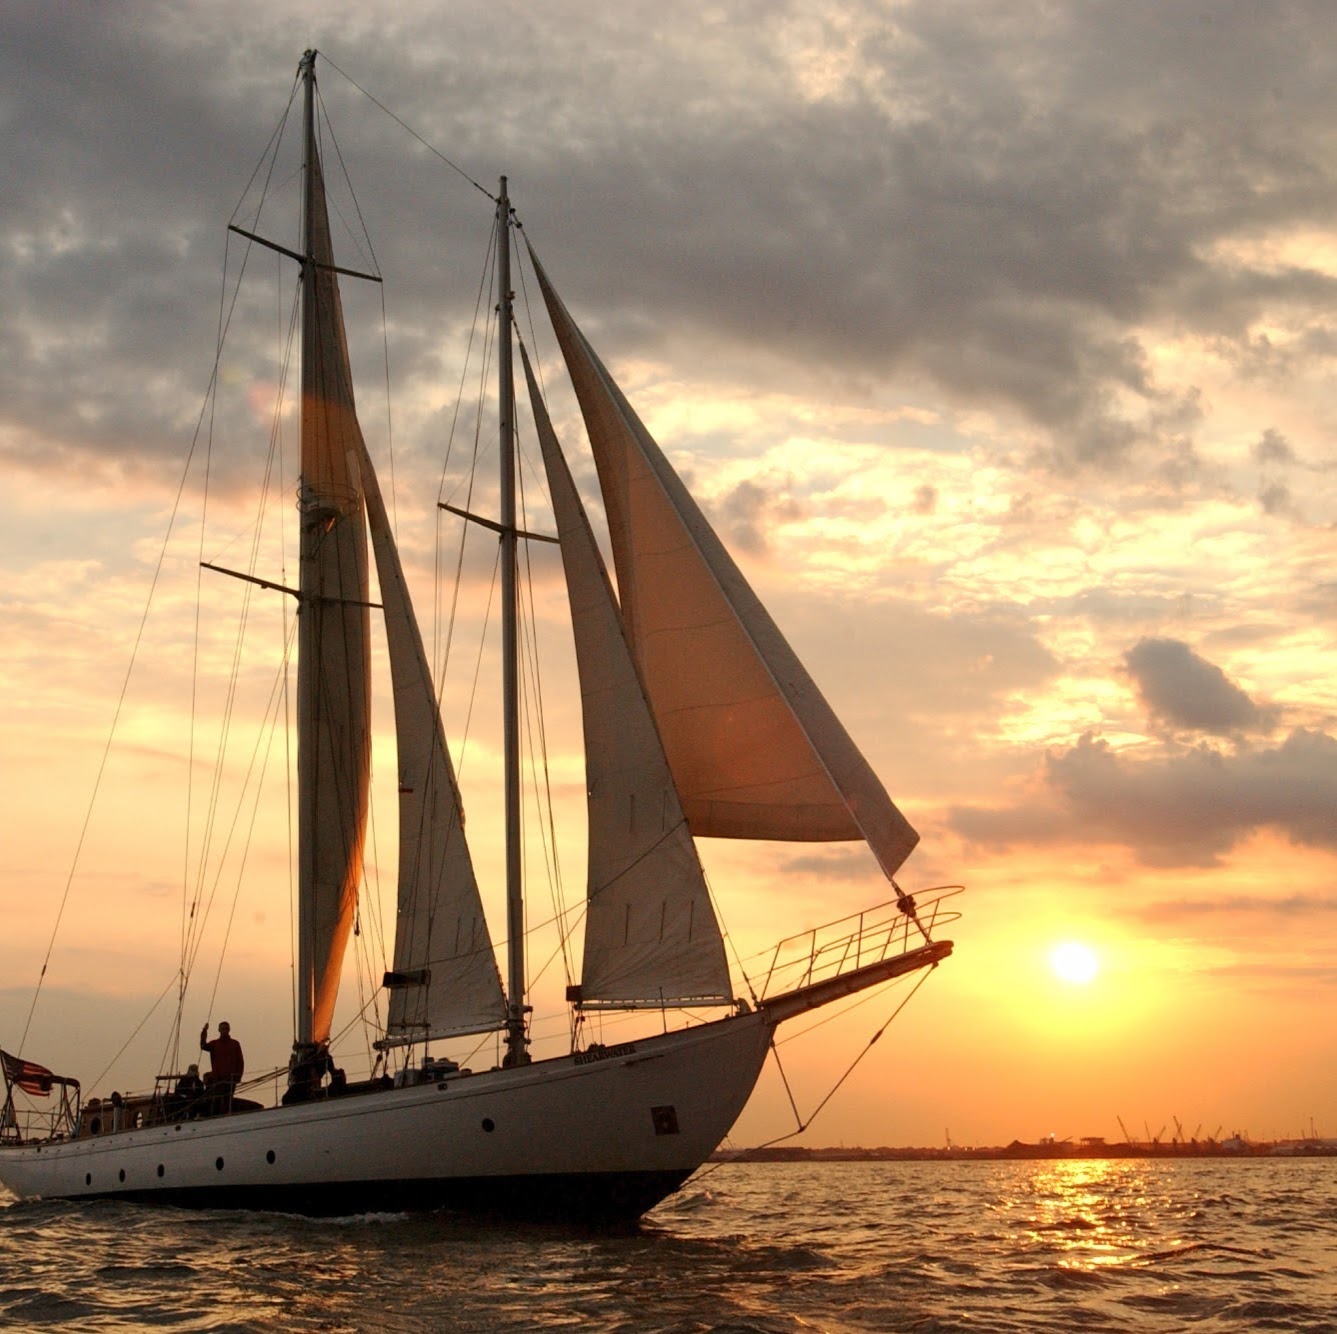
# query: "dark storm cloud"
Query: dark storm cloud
1179,809
996,198
1186,691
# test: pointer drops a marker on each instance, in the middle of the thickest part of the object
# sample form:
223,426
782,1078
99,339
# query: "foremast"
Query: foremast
444,981
333,672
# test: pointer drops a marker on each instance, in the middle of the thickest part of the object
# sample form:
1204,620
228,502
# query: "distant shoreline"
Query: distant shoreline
1019,1151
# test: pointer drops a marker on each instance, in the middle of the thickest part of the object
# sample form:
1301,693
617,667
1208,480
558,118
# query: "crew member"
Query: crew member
307,1067
227,1064
189,1090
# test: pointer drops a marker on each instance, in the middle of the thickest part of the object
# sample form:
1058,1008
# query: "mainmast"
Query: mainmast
306,945
516,1042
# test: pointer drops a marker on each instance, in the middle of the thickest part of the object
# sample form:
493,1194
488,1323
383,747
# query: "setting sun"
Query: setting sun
1074,963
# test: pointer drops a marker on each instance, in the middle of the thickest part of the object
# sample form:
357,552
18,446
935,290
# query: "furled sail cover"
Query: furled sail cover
754,748
333,684
445,978
651,936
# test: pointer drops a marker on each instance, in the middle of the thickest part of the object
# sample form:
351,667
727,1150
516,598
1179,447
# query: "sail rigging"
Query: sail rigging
697,719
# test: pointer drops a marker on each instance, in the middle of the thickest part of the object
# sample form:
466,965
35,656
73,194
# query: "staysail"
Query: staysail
333,673
445,978
754,748
651,935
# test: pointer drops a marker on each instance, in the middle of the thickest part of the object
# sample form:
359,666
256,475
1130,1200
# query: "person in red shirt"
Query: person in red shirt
227,1064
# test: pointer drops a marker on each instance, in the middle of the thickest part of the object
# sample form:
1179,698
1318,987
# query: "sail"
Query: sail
333,699
754,748
651,936
445,978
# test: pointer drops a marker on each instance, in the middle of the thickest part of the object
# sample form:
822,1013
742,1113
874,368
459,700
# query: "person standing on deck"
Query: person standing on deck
227,1064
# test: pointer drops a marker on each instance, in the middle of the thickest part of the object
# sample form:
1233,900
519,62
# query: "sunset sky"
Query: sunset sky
997,340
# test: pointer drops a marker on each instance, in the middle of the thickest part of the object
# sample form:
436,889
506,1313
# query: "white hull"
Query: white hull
598,1135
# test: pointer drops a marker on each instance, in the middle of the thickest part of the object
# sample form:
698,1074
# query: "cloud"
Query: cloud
1003,201
1304,979
1186,691
1297,907
750,510
838,864
1273,447
1275,499
1187,808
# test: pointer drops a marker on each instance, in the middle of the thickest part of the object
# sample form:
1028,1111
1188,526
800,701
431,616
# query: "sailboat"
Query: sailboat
699,721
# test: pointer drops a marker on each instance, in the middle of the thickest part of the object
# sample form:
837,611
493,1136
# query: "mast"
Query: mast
306,965
516,1042
333,661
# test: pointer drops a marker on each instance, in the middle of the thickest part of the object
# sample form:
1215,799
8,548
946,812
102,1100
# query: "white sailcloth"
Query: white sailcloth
754,748
445,978
651,935
333,674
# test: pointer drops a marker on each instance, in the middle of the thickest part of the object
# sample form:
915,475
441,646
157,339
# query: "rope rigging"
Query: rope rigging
219,842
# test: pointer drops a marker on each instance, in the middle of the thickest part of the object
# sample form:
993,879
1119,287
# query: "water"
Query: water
835,1247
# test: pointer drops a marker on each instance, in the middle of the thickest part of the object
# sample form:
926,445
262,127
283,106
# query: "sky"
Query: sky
997,341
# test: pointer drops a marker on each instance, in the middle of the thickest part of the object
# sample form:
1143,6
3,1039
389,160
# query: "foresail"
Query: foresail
333,690
651,936
445,978
754,748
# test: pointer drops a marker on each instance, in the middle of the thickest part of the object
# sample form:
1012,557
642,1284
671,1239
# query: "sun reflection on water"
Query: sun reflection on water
1091,1212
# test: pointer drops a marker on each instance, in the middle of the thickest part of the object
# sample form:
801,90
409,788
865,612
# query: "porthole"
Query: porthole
488,1124
218,1163
122,1174
161,1169
269,1157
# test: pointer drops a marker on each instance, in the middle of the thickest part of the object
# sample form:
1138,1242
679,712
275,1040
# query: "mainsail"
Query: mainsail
445,978
333,674
651,936
754,748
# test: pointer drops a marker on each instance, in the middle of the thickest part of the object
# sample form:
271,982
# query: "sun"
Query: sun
1074,963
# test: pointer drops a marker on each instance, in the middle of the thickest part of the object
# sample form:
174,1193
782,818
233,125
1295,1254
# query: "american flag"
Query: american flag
27,1075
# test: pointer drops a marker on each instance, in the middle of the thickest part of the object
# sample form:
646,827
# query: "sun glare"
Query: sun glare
1074,963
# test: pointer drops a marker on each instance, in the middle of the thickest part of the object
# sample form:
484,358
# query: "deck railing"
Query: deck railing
848,943
32,1124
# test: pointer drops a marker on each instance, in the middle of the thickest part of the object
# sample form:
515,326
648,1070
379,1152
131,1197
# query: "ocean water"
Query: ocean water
1062,1246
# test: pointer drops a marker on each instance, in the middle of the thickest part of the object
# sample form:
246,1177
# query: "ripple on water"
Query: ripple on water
775,1249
